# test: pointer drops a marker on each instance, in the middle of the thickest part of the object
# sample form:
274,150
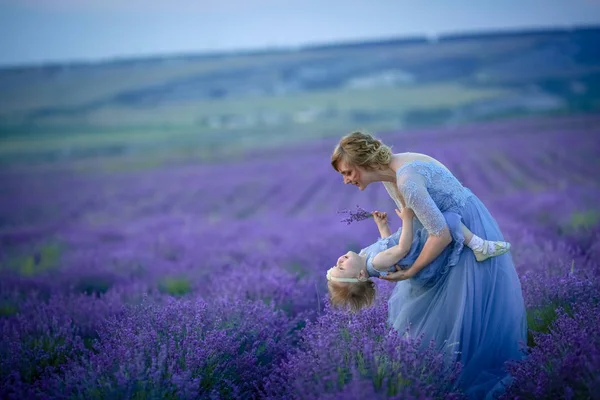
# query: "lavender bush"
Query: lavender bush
343,353
181,349
198,281
566,360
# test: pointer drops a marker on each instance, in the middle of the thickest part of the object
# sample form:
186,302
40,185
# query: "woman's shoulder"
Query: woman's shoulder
413,165
403,160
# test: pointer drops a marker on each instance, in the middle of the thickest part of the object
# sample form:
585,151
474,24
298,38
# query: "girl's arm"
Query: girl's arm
384,260
380,219
417,197
384,230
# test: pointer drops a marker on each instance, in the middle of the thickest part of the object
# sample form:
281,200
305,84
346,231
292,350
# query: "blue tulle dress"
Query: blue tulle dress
473,310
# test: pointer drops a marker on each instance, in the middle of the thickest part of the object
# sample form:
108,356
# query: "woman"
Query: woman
475,310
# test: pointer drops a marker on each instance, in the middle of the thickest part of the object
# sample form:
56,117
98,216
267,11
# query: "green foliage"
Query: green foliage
42,258
175,286
7,309
94,285
540,319
584,219
296,268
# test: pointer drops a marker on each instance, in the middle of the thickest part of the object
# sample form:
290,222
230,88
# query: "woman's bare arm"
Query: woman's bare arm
412,188
433,247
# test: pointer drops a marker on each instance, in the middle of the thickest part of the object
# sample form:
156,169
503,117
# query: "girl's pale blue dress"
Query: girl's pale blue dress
438,267
473,310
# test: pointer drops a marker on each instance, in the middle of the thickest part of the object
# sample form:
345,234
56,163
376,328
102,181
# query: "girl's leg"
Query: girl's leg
466,233
482,248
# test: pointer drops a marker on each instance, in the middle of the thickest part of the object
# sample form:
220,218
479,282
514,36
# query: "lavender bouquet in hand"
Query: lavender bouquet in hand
359,215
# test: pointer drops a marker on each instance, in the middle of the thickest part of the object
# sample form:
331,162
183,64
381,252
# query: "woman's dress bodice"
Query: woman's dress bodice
429,189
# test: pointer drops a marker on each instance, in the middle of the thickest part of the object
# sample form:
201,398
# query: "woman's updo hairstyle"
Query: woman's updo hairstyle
362,149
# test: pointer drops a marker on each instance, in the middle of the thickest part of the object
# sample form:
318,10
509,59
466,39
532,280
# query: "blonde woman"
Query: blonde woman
475,310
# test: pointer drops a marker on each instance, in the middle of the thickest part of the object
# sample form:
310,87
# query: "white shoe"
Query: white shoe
499,248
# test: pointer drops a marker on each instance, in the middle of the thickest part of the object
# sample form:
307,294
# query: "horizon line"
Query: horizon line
317,45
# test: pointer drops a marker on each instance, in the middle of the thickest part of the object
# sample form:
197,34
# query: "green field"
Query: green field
199,108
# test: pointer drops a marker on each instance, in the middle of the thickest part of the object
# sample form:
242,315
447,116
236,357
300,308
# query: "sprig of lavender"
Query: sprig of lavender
359,215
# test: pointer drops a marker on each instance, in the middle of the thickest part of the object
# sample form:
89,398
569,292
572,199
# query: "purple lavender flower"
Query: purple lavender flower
565,360
359,215
171,283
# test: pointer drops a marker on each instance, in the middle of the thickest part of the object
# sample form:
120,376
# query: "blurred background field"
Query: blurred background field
196,107
150,204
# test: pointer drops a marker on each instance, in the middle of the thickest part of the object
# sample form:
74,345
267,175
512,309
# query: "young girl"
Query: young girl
349,283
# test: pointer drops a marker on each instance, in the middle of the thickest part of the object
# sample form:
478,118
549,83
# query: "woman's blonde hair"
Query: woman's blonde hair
362,149
353,295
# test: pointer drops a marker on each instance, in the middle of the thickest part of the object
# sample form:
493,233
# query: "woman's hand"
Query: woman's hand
405,214
380,218
399,275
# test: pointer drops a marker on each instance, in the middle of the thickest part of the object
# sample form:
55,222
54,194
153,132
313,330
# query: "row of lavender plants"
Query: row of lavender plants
208,281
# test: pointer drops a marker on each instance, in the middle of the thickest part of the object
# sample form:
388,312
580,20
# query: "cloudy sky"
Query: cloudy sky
36,31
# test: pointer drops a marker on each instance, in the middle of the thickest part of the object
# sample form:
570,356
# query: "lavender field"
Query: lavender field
207,280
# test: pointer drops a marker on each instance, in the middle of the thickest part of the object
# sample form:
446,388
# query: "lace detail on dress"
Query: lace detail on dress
430,189
416,197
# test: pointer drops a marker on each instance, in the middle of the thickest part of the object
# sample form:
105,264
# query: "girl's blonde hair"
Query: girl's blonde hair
353,295
362,149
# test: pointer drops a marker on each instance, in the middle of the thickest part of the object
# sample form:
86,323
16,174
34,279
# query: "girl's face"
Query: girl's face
350,265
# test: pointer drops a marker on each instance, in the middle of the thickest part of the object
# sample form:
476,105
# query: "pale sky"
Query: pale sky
37,31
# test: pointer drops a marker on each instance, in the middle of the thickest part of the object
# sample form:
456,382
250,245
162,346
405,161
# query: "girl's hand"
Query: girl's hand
399,275
405,214
380,218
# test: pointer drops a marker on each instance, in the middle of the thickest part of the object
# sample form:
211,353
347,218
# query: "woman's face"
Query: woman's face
353,174
348,266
